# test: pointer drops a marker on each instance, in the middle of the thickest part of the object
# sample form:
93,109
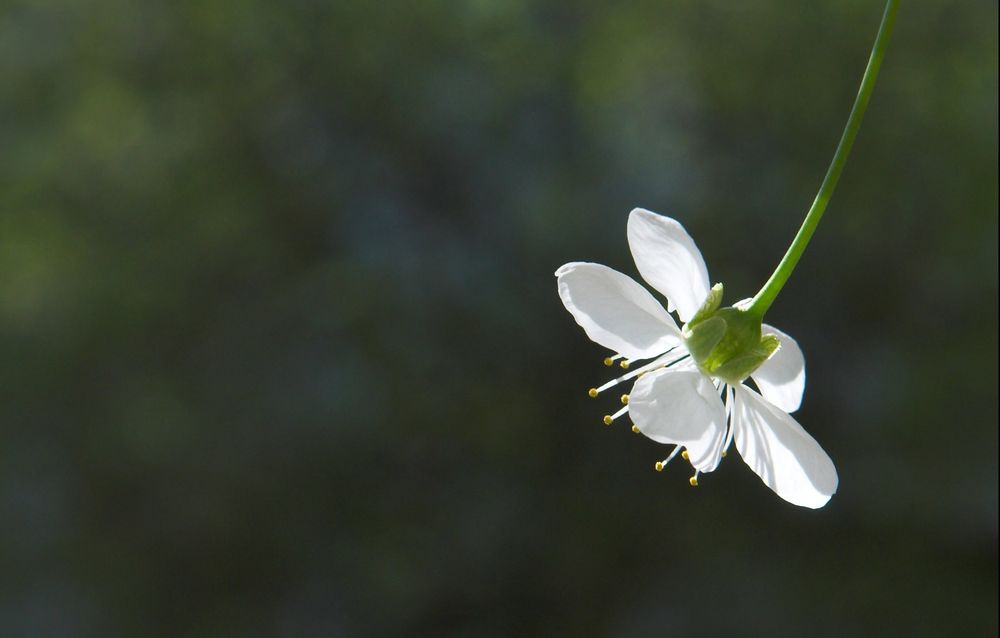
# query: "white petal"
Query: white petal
616,311
783,455
782,378
668,260
682,407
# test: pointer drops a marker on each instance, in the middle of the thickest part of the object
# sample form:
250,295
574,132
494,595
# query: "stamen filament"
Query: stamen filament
731,397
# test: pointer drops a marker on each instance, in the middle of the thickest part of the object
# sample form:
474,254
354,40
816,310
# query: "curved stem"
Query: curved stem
763,300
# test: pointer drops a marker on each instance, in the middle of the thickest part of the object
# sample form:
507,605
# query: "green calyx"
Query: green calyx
726,342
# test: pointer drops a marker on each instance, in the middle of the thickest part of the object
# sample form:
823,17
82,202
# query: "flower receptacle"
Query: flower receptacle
727,343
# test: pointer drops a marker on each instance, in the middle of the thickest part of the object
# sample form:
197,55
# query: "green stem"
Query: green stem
763,300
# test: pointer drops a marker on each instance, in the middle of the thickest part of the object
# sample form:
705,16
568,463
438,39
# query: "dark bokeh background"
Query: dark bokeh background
281,352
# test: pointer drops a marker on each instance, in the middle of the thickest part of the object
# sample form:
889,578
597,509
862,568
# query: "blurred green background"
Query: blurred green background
281,352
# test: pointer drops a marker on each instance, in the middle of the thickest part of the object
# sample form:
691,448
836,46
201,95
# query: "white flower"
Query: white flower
675,400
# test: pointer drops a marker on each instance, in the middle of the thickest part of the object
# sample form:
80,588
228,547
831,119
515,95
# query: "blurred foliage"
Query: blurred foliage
281,354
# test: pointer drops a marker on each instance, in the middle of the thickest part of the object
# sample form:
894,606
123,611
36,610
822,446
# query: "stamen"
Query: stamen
668,359
624,364
609,361
609,418
635,428
652,365
659,465
624,399
694,479
685,455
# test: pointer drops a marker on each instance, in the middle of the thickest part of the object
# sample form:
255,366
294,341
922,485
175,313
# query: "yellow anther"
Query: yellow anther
624,399
723,454
693,481
592,393
659,466
608,361
607,419
635,428
624,364
685,455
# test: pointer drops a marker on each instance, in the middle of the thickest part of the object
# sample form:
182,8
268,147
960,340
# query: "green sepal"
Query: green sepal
708,307
703,338
741,366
